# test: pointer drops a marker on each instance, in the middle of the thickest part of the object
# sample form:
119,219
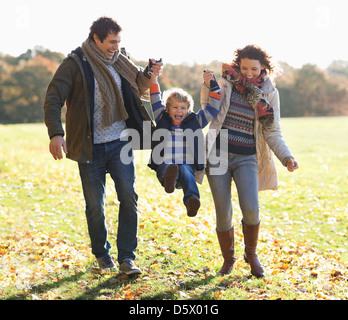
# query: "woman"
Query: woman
246,129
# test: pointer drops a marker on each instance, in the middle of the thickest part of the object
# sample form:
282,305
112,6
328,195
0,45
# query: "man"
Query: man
102,89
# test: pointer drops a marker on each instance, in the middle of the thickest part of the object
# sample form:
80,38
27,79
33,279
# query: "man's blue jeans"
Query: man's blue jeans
185,179
106,159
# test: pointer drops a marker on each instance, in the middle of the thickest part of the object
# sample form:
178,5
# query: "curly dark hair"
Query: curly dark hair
254,52
102,27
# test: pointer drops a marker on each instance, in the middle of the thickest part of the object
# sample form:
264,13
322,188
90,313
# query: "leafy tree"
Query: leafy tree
338,67
23,89
310,91
307,91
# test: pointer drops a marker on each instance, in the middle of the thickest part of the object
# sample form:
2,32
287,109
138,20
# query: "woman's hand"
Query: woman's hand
292,164
207,76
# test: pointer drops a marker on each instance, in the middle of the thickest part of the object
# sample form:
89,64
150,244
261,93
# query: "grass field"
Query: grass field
45,250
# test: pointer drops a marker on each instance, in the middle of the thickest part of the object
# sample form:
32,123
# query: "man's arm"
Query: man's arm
56,95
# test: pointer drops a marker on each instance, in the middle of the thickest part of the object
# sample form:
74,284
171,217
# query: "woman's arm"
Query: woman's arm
274,136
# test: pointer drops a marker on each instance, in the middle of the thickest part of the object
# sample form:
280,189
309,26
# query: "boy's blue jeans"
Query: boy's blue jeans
106,159
185,180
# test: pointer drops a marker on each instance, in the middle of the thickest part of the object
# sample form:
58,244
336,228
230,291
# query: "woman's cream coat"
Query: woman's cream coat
265,141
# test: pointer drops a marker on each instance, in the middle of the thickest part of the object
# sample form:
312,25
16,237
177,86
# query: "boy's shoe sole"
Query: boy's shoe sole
170,178
192,206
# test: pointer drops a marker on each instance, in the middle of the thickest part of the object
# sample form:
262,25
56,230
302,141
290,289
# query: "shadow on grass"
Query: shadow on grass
88,293
45,287
172,294
108,286
191,285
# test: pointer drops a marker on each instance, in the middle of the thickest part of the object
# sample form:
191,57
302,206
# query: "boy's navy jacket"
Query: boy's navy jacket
190,122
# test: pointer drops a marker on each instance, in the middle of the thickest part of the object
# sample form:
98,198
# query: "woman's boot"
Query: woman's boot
226,241
251,235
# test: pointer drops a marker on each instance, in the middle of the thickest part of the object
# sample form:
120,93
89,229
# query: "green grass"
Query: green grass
45,251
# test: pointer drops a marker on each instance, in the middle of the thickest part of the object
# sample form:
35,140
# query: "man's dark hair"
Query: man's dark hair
102,27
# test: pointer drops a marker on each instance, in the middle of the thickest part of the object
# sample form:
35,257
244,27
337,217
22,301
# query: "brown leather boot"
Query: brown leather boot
226,241
251,235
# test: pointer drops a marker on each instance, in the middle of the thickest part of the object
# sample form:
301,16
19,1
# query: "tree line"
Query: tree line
305,91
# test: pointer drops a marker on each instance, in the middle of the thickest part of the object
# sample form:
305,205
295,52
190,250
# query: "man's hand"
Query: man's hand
56,145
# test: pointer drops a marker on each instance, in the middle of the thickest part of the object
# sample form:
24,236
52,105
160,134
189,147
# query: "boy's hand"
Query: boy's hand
155,67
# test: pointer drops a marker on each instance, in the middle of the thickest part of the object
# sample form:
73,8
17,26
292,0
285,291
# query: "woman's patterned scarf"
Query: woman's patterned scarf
250,89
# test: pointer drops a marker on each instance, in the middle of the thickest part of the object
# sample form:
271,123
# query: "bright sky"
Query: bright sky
297,31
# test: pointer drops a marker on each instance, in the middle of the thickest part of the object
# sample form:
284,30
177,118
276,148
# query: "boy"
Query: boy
180,157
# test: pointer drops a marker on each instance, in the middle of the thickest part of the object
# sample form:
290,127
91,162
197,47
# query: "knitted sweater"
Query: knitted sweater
102,133
266,141
239,123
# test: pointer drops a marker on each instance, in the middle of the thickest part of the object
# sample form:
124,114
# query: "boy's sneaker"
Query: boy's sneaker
128,267
106,262
170,178
192,206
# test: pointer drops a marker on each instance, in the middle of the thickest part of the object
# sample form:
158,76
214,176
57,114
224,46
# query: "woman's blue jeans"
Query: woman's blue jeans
106,159
185,179
243,170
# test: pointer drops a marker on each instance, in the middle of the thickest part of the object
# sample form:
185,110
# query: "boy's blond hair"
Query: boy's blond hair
178,95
